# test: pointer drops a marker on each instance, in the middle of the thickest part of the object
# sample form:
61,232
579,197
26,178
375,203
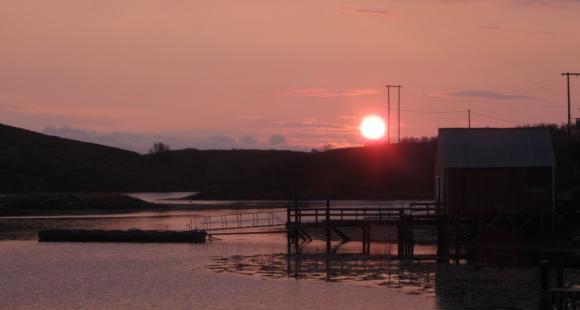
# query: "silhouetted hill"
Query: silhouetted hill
33,162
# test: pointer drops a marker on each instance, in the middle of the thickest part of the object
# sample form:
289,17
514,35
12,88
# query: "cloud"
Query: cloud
325,93
370,12
23,117
220,140
248,140
278,139
141,143
493,27
483,94
307,123
546,3
499,28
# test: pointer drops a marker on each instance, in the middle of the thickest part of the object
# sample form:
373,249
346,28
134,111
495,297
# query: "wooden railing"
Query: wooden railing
318,215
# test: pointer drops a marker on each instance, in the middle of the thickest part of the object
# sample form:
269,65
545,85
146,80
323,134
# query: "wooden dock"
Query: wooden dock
300,220
455,233
131,235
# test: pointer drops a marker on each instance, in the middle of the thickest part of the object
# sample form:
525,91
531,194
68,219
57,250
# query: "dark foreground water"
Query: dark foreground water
237,272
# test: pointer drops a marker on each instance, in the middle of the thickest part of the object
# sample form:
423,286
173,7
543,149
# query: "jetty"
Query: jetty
131,235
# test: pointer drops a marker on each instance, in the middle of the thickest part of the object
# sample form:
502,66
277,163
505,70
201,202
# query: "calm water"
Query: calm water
237,272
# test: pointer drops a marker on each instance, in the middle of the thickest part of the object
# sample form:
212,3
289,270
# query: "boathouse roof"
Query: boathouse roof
495,147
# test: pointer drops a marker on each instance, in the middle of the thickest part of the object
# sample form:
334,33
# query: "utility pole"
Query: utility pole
568,74
469,118
399,114
389,112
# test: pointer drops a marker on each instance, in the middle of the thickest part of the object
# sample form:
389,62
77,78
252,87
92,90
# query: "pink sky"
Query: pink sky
304,72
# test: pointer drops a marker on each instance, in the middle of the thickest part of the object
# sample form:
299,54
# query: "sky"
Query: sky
281,74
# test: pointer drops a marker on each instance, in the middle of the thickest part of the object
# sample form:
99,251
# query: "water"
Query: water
237,272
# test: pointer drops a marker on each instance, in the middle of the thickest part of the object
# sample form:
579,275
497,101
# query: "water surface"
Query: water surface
236,272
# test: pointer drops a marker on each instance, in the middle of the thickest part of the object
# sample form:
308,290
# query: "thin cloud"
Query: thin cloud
493,27
248,140
370,12
483,94
307,124
500,28
545,3
542,3
325,93
278,139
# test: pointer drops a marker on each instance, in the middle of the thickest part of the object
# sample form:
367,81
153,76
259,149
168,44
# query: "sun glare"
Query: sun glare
372,127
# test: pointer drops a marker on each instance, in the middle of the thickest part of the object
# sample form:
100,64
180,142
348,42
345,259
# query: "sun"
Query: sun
372,127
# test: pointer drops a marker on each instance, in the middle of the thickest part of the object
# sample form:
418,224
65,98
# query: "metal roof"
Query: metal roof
495,147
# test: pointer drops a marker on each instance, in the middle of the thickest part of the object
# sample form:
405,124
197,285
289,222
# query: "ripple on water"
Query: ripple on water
453,286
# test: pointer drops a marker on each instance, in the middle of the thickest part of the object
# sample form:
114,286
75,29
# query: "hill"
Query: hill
34,162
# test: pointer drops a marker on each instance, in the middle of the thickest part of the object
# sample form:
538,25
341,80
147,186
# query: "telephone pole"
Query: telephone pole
399,114
468,118
568,74
389,112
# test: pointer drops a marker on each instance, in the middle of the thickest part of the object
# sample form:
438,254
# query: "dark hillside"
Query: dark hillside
33,162
385,171
30,161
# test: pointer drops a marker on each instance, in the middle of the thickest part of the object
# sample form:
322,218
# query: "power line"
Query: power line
494,117
433,112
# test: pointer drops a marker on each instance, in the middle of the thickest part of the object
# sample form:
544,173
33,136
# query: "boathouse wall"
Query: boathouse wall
495,171
499,191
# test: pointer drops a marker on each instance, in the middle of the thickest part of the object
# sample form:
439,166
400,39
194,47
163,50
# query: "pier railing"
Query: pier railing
300,214
319,215
238,221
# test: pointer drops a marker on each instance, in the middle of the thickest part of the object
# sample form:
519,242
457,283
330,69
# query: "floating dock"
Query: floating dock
131,235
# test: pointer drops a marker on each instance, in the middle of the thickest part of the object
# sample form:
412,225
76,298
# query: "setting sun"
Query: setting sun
372,127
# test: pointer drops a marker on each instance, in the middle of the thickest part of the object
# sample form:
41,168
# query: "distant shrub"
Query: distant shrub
159,147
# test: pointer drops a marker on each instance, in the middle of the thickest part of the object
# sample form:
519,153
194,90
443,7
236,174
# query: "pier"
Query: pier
457,235
335,220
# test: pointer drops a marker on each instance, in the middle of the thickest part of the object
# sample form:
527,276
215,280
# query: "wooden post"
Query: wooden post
457,238
544,284
410,236
443,238
328,236
559,274
369,239
363,237
296,241
401,234
288,229
296,211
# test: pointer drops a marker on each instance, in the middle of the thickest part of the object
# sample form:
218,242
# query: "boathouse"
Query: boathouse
495,171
